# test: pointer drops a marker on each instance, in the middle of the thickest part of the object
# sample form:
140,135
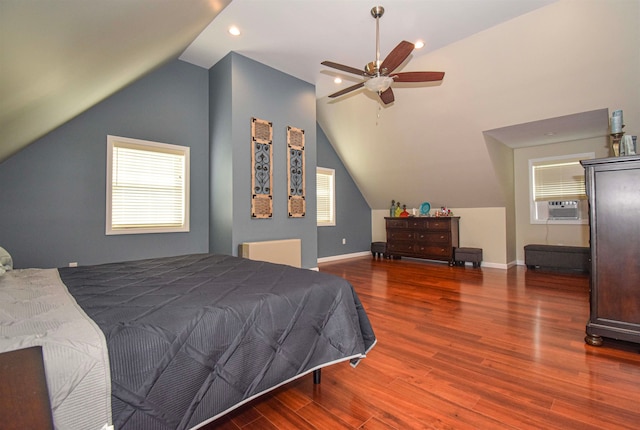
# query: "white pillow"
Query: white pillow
6,263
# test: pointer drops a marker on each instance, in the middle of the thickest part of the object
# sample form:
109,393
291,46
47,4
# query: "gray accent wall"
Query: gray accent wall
353,214
240,89
221,158
53,191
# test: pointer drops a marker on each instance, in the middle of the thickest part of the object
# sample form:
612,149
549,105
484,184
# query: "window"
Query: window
558,179
326,196
147,187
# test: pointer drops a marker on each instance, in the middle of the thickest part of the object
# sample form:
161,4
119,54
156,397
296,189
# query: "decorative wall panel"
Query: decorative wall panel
295,180
261,168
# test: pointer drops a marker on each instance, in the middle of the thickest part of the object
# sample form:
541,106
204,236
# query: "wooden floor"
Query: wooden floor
463,348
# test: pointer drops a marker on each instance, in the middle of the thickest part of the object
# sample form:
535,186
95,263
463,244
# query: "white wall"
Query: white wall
552,234
568,57
479,228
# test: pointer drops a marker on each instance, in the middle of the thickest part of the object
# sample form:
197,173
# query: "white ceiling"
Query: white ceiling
584,125
60,57
295,36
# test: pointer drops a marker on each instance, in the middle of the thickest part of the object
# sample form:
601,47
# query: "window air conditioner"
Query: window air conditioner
563,210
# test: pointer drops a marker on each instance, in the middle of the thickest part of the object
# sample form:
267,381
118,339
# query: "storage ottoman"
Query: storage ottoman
557,257
472,255
379,249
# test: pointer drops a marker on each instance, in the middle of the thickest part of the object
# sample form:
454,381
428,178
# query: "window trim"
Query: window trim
331,173
534,217
115,141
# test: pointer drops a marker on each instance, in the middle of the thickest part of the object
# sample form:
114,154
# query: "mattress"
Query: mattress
192,337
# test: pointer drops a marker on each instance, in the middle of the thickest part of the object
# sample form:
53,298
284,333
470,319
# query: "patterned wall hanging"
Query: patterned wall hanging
295,180
261,168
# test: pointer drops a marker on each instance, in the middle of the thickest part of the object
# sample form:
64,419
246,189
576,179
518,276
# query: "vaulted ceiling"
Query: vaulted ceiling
433,143
60,57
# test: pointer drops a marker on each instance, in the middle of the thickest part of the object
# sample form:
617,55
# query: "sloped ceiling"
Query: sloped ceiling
60,57
430,143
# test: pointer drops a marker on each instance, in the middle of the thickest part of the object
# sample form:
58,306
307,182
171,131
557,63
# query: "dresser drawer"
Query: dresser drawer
435,252
439,224
397,223
439,237
400,235
418,223
401,247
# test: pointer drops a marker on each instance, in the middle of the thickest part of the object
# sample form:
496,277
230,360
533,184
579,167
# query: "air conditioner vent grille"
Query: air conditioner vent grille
559,210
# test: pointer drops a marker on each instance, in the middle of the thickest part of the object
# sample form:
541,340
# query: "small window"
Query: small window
326,196
147,187
557,180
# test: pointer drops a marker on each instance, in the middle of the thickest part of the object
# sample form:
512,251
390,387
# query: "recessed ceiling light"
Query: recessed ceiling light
551,133
419,44
337,80
234,30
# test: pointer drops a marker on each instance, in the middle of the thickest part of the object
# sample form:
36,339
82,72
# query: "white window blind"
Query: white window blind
325,195
147,187
558,180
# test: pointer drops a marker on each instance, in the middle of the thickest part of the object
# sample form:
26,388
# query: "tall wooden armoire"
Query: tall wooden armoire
613,189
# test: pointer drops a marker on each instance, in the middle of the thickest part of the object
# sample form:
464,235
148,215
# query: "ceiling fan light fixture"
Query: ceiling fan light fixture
378,84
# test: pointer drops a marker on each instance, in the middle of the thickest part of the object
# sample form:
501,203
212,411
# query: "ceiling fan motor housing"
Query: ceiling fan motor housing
371,69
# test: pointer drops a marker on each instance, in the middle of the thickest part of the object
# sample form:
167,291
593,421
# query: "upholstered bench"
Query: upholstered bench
557,257
472,255
379,249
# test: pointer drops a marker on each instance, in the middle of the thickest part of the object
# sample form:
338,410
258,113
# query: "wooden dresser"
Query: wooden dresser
432,238
613,190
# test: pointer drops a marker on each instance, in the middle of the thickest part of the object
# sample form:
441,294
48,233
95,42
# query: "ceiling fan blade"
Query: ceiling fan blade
347,90
387,96
418,76
344,68
397,56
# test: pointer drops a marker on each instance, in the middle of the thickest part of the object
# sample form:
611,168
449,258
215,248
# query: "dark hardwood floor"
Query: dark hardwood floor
463,348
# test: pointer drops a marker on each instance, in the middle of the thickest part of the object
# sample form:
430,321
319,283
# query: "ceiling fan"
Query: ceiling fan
379,76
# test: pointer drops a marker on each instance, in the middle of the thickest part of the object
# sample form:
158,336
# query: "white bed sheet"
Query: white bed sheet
36,309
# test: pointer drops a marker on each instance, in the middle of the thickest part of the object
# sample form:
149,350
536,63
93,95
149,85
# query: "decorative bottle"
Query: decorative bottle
392,210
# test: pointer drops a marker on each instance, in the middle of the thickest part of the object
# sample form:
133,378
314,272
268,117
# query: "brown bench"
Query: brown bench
472,255
379,249
576,258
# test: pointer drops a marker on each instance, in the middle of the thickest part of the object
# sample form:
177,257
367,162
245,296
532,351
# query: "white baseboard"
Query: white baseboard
343,256
365,253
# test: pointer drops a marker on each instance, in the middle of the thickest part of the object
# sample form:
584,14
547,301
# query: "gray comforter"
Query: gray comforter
193,337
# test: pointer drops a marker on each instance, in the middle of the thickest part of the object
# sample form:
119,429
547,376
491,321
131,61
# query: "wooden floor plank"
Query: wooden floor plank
461,347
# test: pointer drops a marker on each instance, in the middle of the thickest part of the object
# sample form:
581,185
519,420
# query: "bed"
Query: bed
188,338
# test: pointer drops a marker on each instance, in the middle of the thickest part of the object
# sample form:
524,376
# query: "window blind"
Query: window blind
558,180
325,194
149,187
